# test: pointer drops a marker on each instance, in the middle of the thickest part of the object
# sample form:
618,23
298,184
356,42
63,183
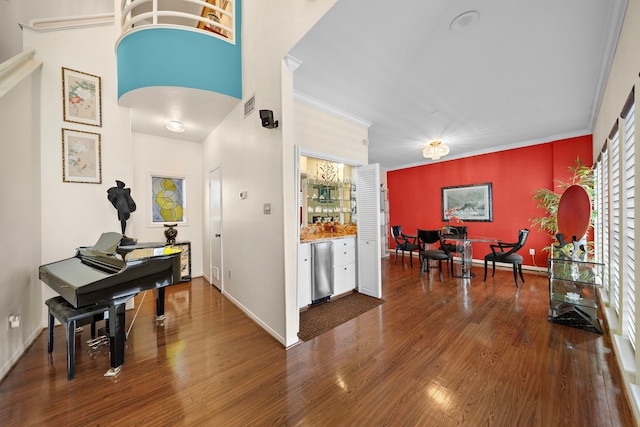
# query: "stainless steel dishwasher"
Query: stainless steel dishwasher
321,271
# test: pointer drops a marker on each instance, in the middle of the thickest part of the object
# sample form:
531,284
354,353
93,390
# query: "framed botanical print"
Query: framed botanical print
81,98
81,157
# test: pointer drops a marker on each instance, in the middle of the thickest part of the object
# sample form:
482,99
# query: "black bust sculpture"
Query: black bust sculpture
121,199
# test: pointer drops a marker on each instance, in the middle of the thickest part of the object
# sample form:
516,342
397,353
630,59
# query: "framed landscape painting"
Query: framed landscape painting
81,154
81,98
468,202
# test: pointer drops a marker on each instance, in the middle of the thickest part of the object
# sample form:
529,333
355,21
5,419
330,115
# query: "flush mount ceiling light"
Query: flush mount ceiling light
435,150
464,20
175,126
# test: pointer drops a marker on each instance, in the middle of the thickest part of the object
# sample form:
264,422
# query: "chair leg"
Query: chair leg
411,259
485,270
520,271
440,268
515,274
51,325
396,260
493,271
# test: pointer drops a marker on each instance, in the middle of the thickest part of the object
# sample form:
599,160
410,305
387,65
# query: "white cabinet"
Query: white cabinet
344,269
344,265
304,275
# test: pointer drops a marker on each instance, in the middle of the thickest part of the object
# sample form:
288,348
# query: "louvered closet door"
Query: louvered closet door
368,211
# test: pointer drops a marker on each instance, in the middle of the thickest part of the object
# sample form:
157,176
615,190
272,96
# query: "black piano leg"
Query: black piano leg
160,304
71,348
117,338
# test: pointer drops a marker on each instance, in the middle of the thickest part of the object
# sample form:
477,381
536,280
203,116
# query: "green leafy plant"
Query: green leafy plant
548,200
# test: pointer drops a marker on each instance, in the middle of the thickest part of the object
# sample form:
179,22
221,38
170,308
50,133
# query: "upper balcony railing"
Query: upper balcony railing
216,17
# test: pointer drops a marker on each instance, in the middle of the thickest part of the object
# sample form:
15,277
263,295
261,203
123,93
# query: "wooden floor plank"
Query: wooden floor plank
451,353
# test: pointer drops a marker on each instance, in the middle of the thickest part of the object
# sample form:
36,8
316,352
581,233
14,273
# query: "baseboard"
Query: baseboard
256,319
499,266
18,354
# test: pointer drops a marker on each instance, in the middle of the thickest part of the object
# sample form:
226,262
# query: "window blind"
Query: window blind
604,218
628,235
615,222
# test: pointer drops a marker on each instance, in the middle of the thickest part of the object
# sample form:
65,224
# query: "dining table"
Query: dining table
464,247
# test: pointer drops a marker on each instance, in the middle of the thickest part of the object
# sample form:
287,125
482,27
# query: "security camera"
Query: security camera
267,119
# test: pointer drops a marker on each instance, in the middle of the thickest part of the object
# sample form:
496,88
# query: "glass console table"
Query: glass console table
573,299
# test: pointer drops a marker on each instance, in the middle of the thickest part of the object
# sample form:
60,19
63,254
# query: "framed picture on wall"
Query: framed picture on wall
81,98
81,154
468,202
168,199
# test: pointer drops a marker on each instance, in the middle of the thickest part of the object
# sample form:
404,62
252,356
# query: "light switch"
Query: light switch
267,208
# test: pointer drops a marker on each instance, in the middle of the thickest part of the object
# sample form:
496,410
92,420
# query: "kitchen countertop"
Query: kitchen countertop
319,237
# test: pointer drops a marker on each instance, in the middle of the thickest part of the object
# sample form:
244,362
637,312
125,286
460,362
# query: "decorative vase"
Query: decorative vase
171,233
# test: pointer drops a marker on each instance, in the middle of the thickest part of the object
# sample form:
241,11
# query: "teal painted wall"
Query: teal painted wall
182,58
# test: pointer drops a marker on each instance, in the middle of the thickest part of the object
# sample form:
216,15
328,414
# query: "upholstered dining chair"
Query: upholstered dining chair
404,243
428,239
506,252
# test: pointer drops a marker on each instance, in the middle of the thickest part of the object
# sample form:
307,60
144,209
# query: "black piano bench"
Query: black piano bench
72,318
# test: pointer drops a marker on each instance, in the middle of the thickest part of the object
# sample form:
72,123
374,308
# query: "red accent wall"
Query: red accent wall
415,198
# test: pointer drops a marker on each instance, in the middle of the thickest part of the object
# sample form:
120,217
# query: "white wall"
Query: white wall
253,158
152,154
14,11
622,76
20,289
75,214
316,130
326,136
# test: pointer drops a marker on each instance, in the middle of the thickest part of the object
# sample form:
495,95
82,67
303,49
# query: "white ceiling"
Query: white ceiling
526,72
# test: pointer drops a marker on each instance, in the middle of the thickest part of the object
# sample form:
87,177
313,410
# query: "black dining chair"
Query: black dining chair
404,243
428,239
506,252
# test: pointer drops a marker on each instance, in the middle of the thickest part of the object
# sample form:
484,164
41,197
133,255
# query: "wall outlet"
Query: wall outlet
14,321
532,252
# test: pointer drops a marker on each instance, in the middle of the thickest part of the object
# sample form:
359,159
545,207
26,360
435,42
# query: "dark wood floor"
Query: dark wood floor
449,353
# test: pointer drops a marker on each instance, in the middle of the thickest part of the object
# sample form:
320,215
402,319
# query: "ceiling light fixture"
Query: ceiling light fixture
175,126
464,20
435,150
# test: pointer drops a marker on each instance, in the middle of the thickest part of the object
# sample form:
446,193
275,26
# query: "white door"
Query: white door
368,211
215,227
